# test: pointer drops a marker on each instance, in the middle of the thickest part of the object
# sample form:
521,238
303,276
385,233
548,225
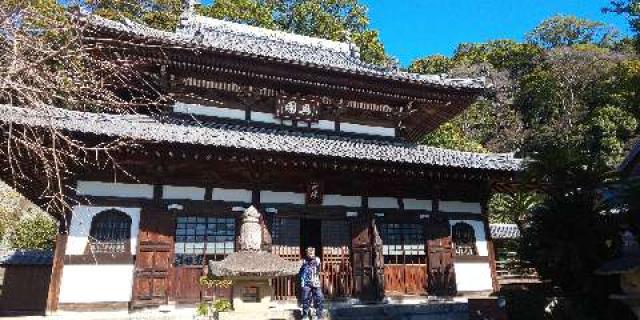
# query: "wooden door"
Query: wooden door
440,258
336,275
405,269
153,260
365,285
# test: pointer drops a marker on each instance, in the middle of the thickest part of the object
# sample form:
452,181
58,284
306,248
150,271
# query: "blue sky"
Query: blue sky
415,28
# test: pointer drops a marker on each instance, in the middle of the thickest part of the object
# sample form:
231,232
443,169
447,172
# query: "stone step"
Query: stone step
426,311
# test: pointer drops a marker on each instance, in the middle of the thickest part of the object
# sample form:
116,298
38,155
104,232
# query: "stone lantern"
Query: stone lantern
252,268
627,266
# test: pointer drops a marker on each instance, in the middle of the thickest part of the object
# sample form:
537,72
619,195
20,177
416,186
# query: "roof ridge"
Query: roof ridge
265,33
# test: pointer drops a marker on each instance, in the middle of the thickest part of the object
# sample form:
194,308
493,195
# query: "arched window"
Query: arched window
464,239
110,232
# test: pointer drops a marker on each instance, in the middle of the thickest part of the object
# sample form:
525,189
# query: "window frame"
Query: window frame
106,216
195,252
463,237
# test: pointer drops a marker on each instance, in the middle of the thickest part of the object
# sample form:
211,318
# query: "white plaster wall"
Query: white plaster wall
459,206
383,203
178,192
198,109
340,200
264,117
81,217
364,129
88,283
324,125
416,204
267,196
232,195
481,238
110,189
473,276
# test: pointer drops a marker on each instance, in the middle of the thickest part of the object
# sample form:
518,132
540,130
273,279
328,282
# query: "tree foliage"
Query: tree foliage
563,31
630,8
435,64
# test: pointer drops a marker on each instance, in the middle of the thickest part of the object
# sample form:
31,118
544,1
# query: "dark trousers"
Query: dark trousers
315,293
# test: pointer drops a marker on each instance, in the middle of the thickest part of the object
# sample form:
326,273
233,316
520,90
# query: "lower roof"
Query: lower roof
242,136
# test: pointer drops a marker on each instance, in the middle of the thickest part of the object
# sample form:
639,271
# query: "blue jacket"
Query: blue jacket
310,272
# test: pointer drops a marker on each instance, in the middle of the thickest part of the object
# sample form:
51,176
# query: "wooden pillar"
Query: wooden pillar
487,231
53,295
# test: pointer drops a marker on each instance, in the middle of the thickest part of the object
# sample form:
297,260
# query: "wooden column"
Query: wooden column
53,296
487,231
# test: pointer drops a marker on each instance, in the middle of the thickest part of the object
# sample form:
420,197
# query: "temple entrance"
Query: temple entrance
331,238
311,236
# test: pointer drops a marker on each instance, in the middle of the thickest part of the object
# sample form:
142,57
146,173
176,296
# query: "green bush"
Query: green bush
36,231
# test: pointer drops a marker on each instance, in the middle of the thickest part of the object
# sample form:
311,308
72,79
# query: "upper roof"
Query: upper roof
229,37
240,136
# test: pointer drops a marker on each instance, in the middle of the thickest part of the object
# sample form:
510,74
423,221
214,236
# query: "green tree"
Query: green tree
567,236
560,30
630,8
606,132
159,14
501,54
513,208
35,231
435,64
450,136
252,12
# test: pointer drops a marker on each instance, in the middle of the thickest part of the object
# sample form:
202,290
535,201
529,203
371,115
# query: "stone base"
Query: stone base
252,295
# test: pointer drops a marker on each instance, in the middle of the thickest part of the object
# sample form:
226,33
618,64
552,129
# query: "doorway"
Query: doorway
310,236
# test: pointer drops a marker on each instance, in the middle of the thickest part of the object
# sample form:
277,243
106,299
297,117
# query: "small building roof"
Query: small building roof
504,231
248,41
240,136
27,257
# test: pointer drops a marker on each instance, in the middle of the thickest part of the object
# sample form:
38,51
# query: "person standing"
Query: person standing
310,282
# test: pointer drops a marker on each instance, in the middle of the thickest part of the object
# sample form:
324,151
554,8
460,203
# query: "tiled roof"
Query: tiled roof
229,37
504,231
27,257
240,136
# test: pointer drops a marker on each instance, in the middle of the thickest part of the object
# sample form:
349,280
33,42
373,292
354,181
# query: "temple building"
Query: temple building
323,145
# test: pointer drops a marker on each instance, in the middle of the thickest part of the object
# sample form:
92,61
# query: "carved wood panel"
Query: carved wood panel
441,278
153,265
364,284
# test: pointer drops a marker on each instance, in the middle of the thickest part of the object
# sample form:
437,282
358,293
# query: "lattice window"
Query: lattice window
199,239
403,243
110,232
286,232
464,239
